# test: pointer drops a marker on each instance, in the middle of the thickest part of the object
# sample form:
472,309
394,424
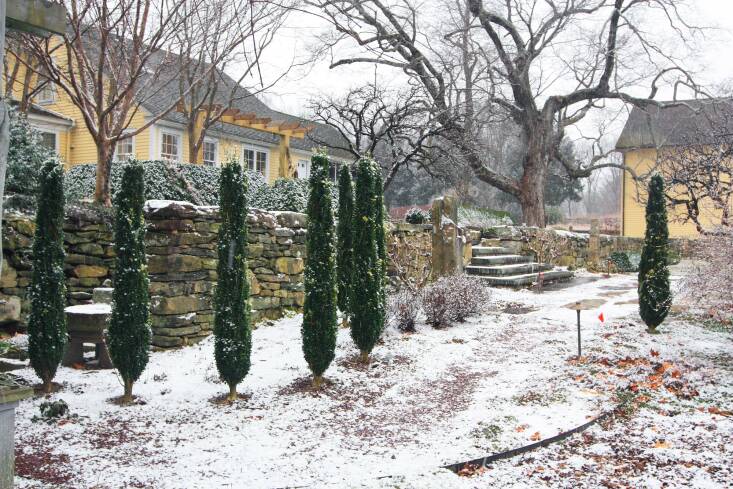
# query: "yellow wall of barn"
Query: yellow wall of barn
634,200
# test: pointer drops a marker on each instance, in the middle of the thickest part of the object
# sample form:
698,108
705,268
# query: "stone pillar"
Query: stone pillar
594,246
9,398
447,238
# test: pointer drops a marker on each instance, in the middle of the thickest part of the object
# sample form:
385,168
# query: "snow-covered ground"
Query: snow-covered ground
430,398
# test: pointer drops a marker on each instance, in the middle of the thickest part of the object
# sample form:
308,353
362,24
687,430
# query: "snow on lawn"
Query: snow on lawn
428,399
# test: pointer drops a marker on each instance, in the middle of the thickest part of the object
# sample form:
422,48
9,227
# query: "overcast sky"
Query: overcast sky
291,93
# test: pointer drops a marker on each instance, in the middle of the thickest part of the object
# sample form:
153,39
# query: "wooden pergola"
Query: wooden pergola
250,120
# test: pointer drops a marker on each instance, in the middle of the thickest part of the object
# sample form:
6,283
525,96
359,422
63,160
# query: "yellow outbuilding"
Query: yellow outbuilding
680,140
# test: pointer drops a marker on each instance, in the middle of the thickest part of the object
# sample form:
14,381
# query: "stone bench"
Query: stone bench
86,323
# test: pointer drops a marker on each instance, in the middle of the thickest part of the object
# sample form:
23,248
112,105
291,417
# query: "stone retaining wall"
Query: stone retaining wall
182,259
409,247
572,249
89,259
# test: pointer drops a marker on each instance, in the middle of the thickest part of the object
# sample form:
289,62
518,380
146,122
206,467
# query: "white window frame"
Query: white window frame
307,168
215,142
336,167
51,91
257,149
179,149
130,140
46,130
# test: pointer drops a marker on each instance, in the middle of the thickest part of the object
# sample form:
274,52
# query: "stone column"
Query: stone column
594,246
10,396
447,238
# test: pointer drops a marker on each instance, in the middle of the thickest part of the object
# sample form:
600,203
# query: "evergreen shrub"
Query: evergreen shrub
319,310
655,297
47,291
368,307
345,245
129,327
232,328
417,216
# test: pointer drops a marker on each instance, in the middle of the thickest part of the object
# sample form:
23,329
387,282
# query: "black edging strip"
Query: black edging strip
484,461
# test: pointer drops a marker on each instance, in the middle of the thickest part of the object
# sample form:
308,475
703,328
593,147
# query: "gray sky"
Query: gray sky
714,65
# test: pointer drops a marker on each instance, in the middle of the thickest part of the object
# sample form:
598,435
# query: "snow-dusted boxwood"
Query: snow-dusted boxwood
417,216
193,183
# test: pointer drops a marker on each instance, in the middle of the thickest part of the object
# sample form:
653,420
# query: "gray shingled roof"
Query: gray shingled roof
167,92
686,122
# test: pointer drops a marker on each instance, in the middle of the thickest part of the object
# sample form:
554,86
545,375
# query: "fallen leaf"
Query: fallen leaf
535,436
720,412
662,444
654,353
521,428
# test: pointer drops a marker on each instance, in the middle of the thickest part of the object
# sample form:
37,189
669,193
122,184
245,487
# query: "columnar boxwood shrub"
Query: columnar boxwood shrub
380,236
345,239
232,329
129,327
47,321
368,281
319,310
655,298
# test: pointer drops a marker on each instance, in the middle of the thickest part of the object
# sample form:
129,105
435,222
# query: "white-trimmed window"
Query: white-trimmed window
170,146
46,94
211,152
333,171
125,149
256,159
304,168
49,139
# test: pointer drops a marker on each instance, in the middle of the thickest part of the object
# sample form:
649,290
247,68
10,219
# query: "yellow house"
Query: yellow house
656,138
272,148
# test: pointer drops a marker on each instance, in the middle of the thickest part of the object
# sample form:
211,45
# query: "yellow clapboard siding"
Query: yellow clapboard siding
76,145
634,201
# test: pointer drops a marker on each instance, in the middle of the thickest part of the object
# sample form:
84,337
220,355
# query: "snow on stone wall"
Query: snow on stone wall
182,259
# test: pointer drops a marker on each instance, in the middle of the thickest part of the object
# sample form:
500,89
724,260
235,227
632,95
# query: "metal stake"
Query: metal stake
578,334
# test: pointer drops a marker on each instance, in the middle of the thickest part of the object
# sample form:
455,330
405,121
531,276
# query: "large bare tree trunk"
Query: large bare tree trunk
104,166
532,184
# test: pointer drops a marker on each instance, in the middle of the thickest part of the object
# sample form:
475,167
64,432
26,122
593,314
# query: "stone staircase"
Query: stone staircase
500,267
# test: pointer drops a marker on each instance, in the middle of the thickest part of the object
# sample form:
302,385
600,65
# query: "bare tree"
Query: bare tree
222,35
113,60
547,64
396,127
29,81
699,179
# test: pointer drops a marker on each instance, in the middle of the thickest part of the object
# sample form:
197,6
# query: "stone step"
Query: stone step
490,242
500,259
490,250
527,278
504,270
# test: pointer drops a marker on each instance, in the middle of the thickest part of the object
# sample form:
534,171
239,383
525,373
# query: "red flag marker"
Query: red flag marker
600,316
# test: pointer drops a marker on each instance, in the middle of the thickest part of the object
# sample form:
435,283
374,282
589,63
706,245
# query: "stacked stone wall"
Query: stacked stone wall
572,249
182,260
89,259
410,249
